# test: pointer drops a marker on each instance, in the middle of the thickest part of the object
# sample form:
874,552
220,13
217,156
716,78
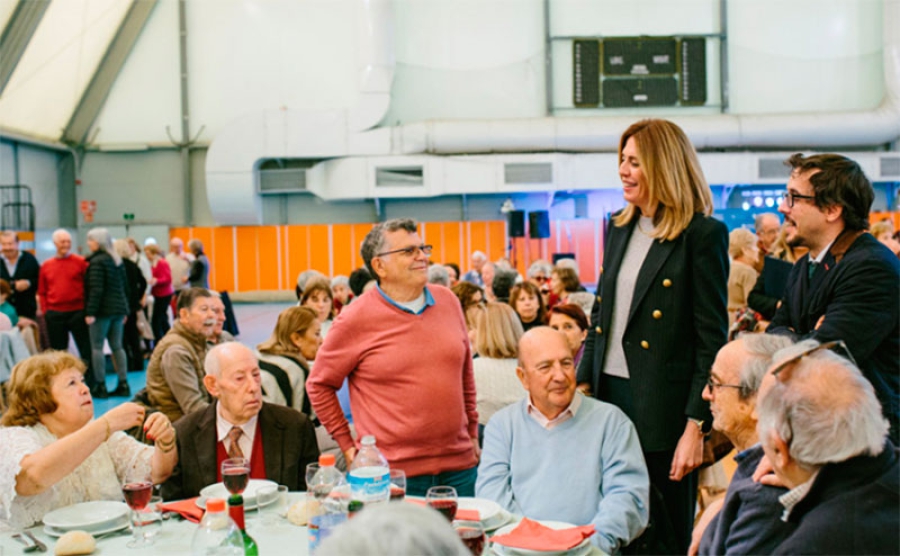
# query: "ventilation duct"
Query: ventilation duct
541,172
773,168
890,167
408,176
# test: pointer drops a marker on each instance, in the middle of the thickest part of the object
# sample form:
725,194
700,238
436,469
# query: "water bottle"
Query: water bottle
217,534
329,489
369,475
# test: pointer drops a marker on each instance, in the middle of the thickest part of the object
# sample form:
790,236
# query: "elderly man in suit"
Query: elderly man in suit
278,441
845,288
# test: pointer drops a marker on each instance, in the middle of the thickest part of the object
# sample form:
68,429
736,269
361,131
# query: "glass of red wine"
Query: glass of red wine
472,535
236,474
444,500
398,485
137,490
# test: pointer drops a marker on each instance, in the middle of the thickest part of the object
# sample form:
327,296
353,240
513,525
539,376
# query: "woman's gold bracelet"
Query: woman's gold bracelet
166,447
108,428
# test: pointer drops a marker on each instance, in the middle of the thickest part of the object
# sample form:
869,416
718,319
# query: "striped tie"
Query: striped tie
234,449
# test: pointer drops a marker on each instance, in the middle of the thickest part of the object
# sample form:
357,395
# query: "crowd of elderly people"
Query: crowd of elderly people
507,389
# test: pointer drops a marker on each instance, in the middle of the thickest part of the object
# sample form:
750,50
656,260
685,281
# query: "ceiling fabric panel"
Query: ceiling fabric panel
58,64
7,7
145,96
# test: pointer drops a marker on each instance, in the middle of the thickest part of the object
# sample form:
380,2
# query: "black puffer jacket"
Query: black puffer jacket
105,292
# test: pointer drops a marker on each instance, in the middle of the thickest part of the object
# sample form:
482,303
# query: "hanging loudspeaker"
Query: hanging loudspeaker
516,223
539,224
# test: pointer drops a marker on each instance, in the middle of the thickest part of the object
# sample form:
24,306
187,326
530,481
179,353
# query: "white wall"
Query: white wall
37,169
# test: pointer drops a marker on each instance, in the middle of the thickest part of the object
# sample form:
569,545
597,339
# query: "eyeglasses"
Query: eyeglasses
410,251
833,345
712,384
790,198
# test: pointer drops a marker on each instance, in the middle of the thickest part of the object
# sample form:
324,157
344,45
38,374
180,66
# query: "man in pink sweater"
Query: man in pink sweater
405,351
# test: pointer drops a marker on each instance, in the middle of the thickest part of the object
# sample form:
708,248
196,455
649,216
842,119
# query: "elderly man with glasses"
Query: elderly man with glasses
404,348
846,287
744,521
823,432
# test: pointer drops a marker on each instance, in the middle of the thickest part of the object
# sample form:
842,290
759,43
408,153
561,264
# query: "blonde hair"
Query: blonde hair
499,330
740,239
292,319
882,227
30,387
781,250
675,181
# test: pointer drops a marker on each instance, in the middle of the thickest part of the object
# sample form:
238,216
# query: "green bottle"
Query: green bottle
236,512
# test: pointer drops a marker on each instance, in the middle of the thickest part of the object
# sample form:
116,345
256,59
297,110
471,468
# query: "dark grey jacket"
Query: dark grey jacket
105,292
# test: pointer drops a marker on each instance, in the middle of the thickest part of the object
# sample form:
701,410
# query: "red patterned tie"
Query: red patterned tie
234,449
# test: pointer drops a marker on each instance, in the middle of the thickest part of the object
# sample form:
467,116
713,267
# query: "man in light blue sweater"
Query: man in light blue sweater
557,455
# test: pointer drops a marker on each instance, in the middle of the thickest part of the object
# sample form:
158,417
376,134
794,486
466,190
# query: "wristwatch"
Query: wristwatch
698,422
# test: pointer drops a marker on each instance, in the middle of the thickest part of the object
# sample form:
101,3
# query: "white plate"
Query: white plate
580,550
86,515
109,528
488,510
218,490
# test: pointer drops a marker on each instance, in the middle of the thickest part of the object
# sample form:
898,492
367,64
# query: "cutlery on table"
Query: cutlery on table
29,546
40,546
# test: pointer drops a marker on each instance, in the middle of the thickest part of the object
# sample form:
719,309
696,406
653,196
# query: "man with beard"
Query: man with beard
845,288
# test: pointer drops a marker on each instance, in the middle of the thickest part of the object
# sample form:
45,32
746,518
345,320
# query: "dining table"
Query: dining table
274,537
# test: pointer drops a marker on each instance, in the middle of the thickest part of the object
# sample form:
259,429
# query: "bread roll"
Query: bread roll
74,543
299,513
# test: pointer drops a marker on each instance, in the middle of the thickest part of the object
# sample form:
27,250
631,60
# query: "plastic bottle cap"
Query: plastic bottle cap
326,460
368,440
215,505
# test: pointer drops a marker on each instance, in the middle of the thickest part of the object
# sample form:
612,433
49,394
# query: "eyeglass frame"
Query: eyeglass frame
411,251
823,346
712,384
790,197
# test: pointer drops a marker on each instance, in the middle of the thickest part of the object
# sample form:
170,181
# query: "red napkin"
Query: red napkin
461,514
187,509
531,535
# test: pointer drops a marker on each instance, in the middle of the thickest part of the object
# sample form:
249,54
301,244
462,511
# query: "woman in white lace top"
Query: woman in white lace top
56,454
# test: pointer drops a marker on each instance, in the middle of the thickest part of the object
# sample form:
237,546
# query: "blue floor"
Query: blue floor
136,380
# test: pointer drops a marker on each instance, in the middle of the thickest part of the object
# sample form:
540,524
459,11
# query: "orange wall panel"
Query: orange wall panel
478,237
496,240
268,259
319,248
221,258
247,258
342,249
297,253
432,235
452,244
358,234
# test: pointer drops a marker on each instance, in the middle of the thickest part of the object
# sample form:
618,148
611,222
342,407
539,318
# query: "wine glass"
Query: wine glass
443,499
472,535
311,470
398,485
236,474
137,491
272,502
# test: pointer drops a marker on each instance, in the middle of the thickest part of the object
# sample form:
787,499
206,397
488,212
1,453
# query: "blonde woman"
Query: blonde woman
496,342
661,315
744,251
284,358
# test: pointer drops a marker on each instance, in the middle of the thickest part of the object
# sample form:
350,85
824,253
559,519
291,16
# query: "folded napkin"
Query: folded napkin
531,535
187,509
461,514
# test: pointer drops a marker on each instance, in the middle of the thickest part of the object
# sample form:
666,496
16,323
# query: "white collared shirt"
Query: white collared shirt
793,497
821,256
566,414
223,427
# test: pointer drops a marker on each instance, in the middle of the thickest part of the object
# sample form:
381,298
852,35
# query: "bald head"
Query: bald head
233,378
176,245
217,357
547,370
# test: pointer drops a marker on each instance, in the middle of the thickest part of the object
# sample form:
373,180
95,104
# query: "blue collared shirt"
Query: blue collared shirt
429,301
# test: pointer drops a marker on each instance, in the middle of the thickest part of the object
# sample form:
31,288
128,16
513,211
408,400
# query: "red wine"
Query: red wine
473,539
236,479
137,495
397,494
446,507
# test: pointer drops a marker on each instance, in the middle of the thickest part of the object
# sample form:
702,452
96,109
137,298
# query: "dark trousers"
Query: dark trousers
463,481
159,321
62,323
679,497
134,351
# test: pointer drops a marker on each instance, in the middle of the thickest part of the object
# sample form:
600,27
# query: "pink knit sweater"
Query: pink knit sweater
411,382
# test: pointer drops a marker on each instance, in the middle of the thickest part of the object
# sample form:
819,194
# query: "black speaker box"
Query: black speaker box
539,224
516,223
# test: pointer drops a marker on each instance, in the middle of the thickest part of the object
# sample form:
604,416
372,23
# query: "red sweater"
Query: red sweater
411,382
163,274
61,283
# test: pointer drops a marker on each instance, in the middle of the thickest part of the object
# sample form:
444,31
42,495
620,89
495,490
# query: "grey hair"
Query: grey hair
104,242
539,267
212,364
394,528
374,241
479,255
760,349
438,274
304,277
340,280
195,245
59,232
568,263
585,300
826,411
758,221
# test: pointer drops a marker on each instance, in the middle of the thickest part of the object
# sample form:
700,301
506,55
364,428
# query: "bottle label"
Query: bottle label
370,484
321,526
